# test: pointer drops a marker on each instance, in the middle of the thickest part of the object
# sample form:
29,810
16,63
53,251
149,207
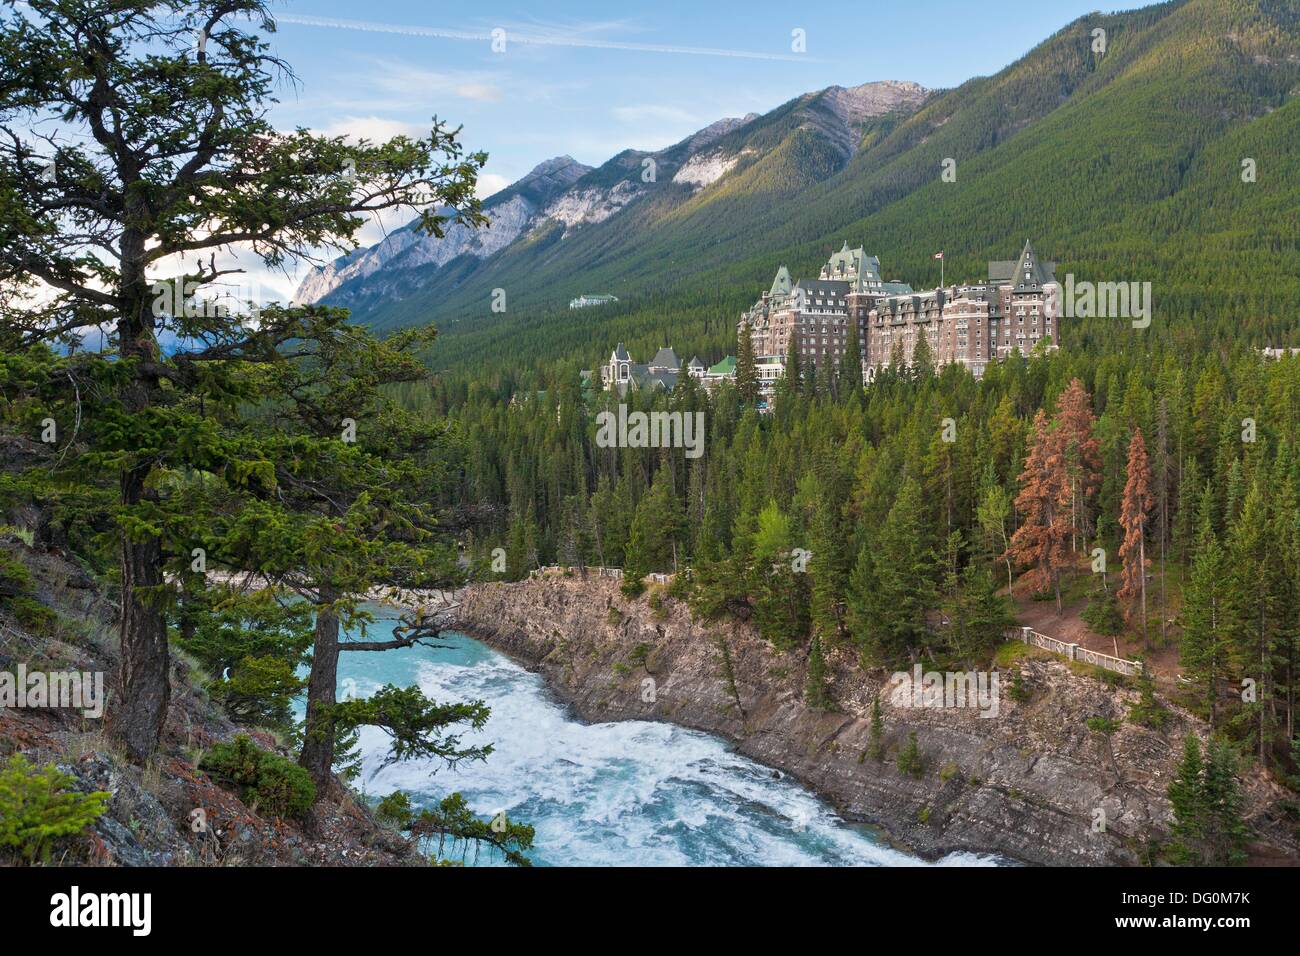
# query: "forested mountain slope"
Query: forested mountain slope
1122,165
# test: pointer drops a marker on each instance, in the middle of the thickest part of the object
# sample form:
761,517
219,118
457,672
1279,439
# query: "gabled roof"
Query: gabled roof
781,284
695,362
620,354
665,358
842,262
853,265
868,273
642,377
1013,271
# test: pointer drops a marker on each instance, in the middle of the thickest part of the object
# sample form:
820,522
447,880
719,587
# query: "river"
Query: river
631,793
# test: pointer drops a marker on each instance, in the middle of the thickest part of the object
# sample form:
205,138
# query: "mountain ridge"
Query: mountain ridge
565,191
1123,164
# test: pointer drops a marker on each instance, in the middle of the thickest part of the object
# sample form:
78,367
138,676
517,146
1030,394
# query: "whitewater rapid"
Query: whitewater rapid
631,793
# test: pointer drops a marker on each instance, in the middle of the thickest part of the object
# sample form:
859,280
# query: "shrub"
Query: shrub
1019,690
36,808
14,577
640,656
1148,711
22,534
16,596
32,614
1103,725
659,610
1103,614
277,786
909,758
395,810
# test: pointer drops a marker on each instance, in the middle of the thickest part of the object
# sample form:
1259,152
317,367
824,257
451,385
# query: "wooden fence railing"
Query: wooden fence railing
1074,652
656,576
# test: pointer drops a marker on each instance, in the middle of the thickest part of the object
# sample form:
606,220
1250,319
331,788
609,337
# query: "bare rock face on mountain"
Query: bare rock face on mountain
510,212
839,111
563,192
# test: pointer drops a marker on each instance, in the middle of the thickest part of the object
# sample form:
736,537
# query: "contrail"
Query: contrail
511,37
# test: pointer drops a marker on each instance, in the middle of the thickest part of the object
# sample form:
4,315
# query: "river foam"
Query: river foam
630,793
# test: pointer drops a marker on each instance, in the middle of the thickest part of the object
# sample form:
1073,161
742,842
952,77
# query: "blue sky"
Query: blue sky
589,79
536,101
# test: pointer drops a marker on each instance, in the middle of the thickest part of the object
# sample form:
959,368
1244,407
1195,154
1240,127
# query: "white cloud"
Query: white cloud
489,183
374,128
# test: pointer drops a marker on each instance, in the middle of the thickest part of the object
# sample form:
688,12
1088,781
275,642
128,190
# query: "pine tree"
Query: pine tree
849,386
892,587
922,367
828,568
816,693
779,594
746,368
1136,505
1256,581
791,384
1207,802
1042,538
909,759
993,514
898,358
178,160
1187,799
1080,452
638,561
1163,473
1208,613
1225,832
876,739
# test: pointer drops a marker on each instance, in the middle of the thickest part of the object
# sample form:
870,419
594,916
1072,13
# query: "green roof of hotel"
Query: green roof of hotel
725,367
781,284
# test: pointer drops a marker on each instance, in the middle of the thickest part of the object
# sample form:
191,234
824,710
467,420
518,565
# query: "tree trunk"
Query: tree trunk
1142,569
138,717
322,688
144,689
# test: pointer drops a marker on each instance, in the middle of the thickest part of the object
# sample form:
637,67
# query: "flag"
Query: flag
937,255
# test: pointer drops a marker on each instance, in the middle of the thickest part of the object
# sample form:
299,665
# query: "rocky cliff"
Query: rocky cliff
1033,783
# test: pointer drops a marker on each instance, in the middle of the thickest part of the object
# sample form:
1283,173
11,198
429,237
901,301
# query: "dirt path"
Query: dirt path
1069,626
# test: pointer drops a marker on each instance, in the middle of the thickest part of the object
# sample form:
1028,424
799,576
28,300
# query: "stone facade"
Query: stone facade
971,324
817,313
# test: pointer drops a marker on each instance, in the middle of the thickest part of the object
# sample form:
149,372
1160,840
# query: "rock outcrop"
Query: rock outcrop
171,812
1034,783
